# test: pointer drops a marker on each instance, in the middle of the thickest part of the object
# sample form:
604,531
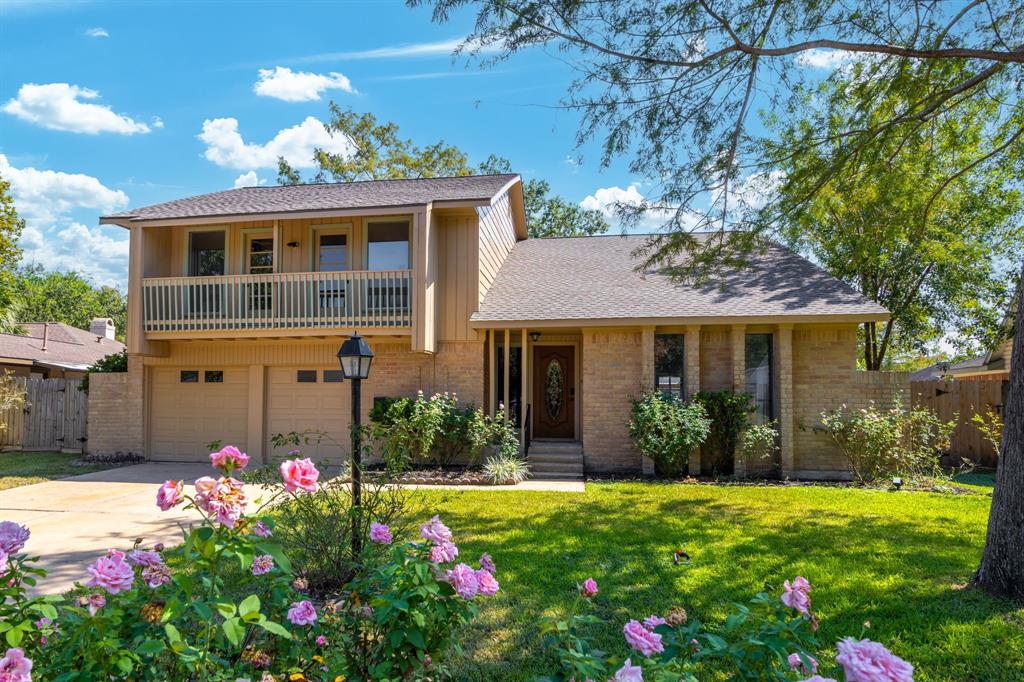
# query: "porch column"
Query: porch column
785,374
739,380
691,349
523,369
647,378
256,414
505,357
492,379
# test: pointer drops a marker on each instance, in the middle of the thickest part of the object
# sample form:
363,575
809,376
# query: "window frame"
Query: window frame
369,222
187,255
681,394
327,229
250,235
772,383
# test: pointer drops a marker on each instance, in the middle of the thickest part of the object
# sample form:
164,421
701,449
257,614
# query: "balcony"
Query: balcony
377,299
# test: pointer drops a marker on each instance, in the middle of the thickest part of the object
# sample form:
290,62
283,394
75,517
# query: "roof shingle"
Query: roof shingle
323,197
593,278
64,344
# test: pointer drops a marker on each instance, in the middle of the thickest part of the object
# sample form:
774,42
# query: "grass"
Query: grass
26,468
898,559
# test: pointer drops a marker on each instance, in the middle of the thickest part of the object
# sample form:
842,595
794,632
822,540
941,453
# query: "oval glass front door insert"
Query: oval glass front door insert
554,389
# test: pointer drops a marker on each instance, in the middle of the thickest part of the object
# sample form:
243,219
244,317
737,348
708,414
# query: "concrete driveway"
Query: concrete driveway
74,520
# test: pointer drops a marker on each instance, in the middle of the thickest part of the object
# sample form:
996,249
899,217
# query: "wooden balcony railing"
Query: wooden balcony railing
290,300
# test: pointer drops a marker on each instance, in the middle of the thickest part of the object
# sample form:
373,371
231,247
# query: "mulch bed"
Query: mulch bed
444,477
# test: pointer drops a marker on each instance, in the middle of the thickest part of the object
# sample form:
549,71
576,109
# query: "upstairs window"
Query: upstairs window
332,252
260,255
387,245
206,253
670,364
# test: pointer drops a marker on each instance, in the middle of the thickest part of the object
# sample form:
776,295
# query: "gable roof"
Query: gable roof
300,199
66,346
583,279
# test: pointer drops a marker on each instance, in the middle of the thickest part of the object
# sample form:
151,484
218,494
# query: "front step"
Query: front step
556,460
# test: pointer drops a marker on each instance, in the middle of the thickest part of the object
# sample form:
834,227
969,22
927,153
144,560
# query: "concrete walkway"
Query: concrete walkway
75,520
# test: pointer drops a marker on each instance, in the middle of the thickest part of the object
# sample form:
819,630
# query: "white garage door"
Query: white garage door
307,400
193,407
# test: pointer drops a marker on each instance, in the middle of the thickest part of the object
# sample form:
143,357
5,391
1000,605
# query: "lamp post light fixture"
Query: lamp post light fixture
355,357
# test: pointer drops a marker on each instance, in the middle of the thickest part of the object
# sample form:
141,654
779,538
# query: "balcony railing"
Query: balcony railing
290,300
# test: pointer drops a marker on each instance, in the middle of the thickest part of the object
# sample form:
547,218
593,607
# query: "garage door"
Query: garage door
193,407
307,399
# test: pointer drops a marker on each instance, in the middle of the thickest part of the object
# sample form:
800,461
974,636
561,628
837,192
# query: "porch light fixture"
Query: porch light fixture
897,482
534,336
292,245
355,357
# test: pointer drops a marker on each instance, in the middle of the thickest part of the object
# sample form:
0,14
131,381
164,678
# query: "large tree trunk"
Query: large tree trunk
1001,571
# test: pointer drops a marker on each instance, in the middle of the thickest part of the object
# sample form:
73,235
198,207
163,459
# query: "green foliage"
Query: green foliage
990,424
881,443
115,362
729,414
667,430
12,397
11,227
760,442
68,297
505,469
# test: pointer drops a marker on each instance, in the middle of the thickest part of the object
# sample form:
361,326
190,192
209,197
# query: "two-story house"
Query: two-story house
239,300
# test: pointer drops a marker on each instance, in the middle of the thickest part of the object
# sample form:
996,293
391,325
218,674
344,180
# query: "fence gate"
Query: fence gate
963,399
54,417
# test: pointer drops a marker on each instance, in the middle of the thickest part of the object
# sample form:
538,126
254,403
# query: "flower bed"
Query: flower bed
445,477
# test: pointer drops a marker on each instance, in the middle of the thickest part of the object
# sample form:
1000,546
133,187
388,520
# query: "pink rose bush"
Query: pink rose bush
302,613
112,573
629,672
222,498
380,534
15,667
867,661
262,564
229,459
589,588
13,537
797,595
299,475
170,494
641,639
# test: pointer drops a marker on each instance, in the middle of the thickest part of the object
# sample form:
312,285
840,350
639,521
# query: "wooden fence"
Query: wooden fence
53,418
963,399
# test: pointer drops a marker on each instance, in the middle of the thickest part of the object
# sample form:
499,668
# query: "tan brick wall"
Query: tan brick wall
115,422
612,373
825,377
715,359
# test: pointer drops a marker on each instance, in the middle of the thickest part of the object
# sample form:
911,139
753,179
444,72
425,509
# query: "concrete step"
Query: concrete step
556,446
555,476
556,457
557,467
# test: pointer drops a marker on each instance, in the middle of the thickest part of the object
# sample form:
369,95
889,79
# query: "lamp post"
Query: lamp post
355,357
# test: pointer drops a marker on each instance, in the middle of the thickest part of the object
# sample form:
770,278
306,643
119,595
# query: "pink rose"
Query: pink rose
170,494
321,640
443,553
12,537
261,530
641,639
112,573
229,459
156,575
487,584
589,588
487,563
299,474
629,673
435,531
464,580
302,613
651,622
223,499
797,664
867,661
797,595
819,678
262,564
143,557
95,602
14,667
3,562
380,534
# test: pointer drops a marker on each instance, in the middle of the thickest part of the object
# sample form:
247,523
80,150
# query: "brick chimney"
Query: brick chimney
102,327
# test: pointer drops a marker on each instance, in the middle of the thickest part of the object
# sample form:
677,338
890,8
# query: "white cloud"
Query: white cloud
607,199
225,146
249,179
824,59
44,196
299,86
46,199
757,189
158,122
430,49
58,106
97,32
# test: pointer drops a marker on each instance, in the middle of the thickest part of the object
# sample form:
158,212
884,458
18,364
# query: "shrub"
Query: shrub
728,412
667,430
760,442
115,362
12,397
882,443
501,469
990,425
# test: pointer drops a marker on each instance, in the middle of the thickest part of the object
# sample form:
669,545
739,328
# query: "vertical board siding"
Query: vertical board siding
497,237
457,278
962,400
53,418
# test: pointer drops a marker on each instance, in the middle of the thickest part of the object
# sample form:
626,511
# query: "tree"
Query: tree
676,84
929,247
68,297
380,153
11,227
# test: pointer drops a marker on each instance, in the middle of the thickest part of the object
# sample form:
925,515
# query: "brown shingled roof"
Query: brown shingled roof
593,278
323,197
65,345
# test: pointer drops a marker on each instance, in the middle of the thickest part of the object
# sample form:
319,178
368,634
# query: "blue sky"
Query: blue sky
107,105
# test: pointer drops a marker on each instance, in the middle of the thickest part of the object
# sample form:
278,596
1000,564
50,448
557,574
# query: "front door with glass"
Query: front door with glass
554,392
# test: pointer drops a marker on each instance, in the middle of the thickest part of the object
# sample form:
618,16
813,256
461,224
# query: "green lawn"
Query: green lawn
25,468
898,559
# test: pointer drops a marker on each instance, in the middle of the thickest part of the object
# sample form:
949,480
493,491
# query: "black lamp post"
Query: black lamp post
355,357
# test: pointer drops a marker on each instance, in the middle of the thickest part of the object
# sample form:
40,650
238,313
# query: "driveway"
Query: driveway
74,520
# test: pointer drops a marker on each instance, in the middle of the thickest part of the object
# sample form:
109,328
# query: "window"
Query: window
189,376
213,376
669,364
306,376
206,253
387,245
260,256
332,252
758,364
333,376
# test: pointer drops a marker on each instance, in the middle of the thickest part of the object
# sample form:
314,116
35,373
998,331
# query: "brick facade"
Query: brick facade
612,371
116,412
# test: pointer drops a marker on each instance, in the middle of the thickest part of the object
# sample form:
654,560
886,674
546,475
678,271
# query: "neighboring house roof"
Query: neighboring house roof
65,346
593,278
323,197
932,372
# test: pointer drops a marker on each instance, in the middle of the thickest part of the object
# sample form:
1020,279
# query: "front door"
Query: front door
554,392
